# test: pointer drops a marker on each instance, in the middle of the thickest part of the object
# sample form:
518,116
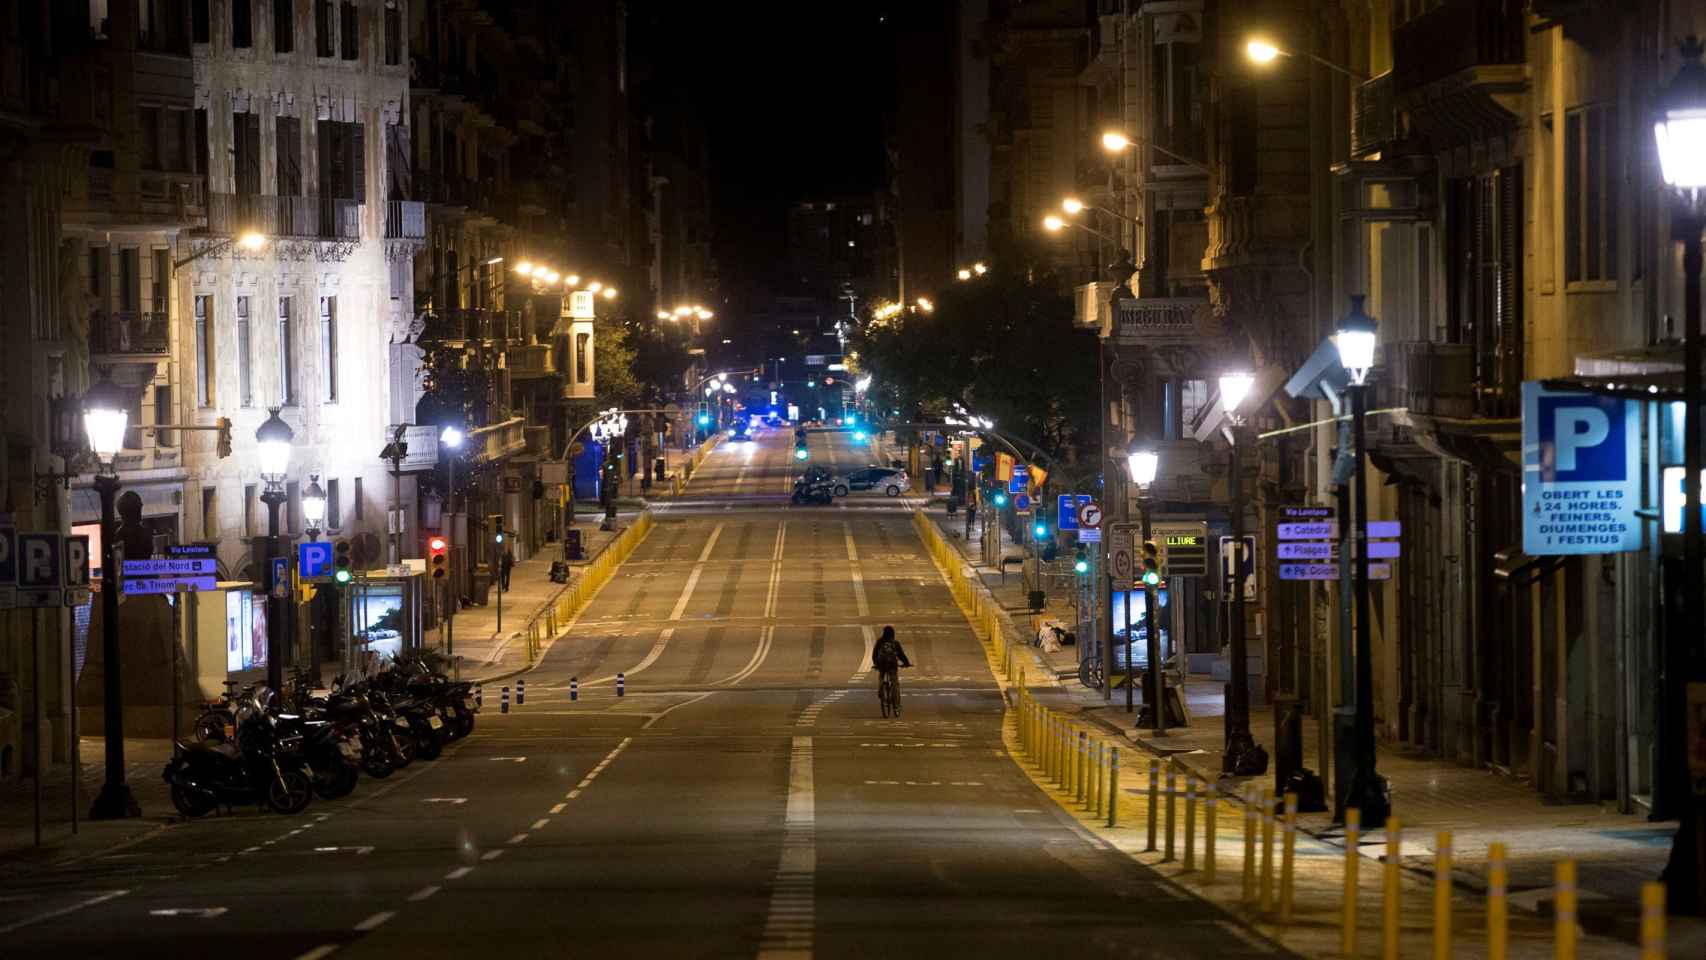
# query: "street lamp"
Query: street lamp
1680,130
313,507
272,449
1142,465
1367,789
1242,755
1054,224
105,418
450,438
1263,51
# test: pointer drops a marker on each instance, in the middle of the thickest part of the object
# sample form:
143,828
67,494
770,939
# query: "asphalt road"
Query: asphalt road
743,798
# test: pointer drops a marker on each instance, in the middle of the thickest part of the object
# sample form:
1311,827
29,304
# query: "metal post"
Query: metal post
1694,577
1157,692
275,619
1367,789
37,714
1238,739
115,800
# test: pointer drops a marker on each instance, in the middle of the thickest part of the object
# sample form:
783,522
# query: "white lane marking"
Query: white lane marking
376,921
491,854
511,759
358,851
424,893
200,913
518,838
458,873
584,784
685,703
558,808
248,850
320,952
869,634
765,637
453,800
652,655
789,928
574,793
539,824
858,576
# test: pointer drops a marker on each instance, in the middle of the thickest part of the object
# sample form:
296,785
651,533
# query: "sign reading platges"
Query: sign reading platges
1580,472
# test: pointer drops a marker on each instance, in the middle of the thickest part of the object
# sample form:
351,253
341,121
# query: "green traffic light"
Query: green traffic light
1001,499
1042,530
342,576
1081,565
1151,578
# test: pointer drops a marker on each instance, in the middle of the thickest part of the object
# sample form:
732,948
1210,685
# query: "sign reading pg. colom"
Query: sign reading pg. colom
1581,472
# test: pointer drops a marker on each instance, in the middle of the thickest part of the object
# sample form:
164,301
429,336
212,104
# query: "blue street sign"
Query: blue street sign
1021,479
280,577
1581,472
1066,511
1022,503
139,586
314,559
8,556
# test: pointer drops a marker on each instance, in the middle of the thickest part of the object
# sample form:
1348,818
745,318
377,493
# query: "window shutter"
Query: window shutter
358,160
289,157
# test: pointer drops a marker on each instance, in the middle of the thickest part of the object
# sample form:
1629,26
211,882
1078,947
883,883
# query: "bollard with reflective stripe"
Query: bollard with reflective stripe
1390,889
1564,910
1442,896
1190,822
1498,909
503,706
1265,881
520,692
1348,922
1083,766
621,685
1172,788
1208,831
1653,921
1248,893
574,689
1154,800
1114,787
1288,858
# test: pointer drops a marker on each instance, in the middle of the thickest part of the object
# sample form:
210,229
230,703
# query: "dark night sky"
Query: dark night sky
793,96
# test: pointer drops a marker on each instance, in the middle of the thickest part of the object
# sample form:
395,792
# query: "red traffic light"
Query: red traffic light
436,544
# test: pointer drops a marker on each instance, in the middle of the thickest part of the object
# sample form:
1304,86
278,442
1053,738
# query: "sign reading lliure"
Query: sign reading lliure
1164,321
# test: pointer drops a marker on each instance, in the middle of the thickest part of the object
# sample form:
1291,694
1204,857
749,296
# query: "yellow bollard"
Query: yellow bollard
1172,787
1154,800
1208,830
1190,822
1248,893
1498,910
1083,790
1098,786
1442,896
1114,787
1653,921
1348,925
1265,882
1564,910
1390,889
1288,857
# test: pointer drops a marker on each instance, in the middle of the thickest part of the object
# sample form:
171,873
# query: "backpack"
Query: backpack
884,656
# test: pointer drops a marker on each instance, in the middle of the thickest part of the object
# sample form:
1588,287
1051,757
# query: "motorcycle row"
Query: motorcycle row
814,486
247,749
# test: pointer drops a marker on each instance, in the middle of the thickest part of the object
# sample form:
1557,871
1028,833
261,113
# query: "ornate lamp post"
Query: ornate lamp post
1141,465
313,507
105,418
272,445
1242,755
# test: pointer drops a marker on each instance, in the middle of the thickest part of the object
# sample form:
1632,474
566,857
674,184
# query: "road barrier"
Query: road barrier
1288,859
621,685
520,691
1154,800
574,689
1248,893
1653,921
1353,858
556,612
1442,895
1265,885
1190,822
1564,910
1172,789
1498,908
503,705
1114,787
697,460
1209,829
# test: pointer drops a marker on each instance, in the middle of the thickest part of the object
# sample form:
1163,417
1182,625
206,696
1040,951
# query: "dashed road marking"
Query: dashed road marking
558,808
320,952
518,838
458,873
491,854
539,824
376,921
793,901
424,893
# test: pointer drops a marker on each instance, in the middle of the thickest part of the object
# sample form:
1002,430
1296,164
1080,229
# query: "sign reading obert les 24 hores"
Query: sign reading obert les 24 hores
1581,473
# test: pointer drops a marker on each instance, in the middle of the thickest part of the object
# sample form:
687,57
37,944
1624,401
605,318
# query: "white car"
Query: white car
889,480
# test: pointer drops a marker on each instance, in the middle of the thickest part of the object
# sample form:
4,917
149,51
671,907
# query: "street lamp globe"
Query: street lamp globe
964,274
1355,340
450,437
106,414
728,388
1261,51
272,443
251,240
1680,127
1114,142
1143,464
314,503
1053,223
1072,205
1234,387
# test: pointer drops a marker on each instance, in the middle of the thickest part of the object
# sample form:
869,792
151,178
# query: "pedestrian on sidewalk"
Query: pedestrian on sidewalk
506,563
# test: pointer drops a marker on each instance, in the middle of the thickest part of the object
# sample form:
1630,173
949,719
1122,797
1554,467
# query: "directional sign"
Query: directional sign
1308,550
140,586
1020,482
1329,530
171,567
1089,535
1066,511
8,567
1329,571
1183,548
280,577
1237,561
1581,472
314,560
40,569
1307,513
1090,516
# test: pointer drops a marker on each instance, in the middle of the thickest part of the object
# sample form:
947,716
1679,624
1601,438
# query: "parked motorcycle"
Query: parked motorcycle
265,765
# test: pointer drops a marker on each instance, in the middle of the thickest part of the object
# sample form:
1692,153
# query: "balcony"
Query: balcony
405,220
530,361
130,333
500,440
475,323
1164,322
1091,309
312,218
1459,70
1374,117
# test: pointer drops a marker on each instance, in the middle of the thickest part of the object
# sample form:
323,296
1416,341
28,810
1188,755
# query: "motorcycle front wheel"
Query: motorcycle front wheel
289,792
376,763
337,781
191,802
402,748
430,745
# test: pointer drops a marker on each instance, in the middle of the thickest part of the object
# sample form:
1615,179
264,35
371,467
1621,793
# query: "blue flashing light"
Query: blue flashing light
1001,499
1042,530
704,419
801,453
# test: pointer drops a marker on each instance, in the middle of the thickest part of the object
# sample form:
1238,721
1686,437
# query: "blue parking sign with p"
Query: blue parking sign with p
1580,472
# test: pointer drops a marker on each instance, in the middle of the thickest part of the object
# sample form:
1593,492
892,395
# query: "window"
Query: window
203,352
201,24
343,150
323,39
150,117
245,373
289,142
358,509
246,152
210,513
334,510
161,300
162,27
283,26
1590,196
393,34
163,414
286,358
248,510
242,24
348,31
98,275
129,279
583,344
201,150
329,348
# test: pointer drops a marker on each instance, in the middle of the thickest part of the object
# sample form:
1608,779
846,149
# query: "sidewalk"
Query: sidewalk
1615,853
144,761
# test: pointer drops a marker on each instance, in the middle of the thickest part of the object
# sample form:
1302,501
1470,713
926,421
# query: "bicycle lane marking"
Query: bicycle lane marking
790,925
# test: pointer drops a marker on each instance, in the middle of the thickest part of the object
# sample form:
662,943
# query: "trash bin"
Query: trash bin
657,468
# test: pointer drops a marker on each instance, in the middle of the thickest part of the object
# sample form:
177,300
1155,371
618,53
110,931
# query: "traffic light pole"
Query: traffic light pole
1239,743
1156,695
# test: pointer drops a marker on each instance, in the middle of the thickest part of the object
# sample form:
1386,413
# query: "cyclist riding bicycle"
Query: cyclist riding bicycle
888,656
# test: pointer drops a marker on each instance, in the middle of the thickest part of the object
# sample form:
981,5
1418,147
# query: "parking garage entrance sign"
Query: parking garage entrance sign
1580,472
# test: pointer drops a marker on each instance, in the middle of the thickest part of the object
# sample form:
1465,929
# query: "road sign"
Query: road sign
171,567
1307,513
141,586
1183,548
1308,550
1066,511
76,570
1021,503
1089,535
1090,516
1121,563
314,560
40,570
280,577
1020,481
1581,472
1308,530
185,567
8,567
1329,571
1237,563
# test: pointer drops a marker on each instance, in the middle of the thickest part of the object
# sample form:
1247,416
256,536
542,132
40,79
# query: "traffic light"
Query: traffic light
343,564
498,527
1081,561
1040,528
438,556
704,419
1149,564
1000,498
801,452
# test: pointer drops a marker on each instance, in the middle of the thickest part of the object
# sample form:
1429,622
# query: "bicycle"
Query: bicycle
888,692
218,720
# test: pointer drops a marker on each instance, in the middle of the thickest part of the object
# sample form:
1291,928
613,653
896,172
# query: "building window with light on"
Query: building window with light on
329,348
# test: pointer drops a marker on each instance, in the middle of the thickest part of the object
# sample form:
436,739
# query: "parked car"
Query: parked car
889,480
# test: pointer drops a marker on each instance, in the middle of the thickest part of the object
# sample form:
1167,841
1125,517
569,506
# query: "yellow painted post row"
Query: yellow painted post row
1653,921
1248,893
1190,822
1348,925
1564,910
1265,882
1498,908
1390,889
1208,831
1172,787
1154,799
1114,787
1442,895
1288,858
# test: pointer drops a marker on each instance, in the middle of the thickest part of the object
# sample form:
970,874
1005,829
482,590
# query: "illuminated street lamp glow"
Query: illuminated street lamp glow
314,502
1681,127
665,315
1234,387
1143,465
572,279
980,268
594,286
1072,205
1114,142
609,293
965,274
1053,223
1261,51
106,414
272,447
1355,341
524,268
251,240
450,438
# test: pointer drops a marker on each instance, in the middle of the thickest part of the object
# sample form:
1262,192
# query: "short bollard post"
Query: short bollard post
1248,893
1653,921
574,689
1266,878
1154,800
1190,822
1442,896
1564,910
520,692
621,685
1083,757
1172,788
1498,910
1208,831
1390,890
1096,778
1288,858
1348,924
479,697
503,705
1114,787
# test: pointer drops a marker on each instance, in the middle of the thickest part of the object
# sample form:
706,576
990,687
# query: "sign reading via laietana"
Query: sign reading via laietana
1580,472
